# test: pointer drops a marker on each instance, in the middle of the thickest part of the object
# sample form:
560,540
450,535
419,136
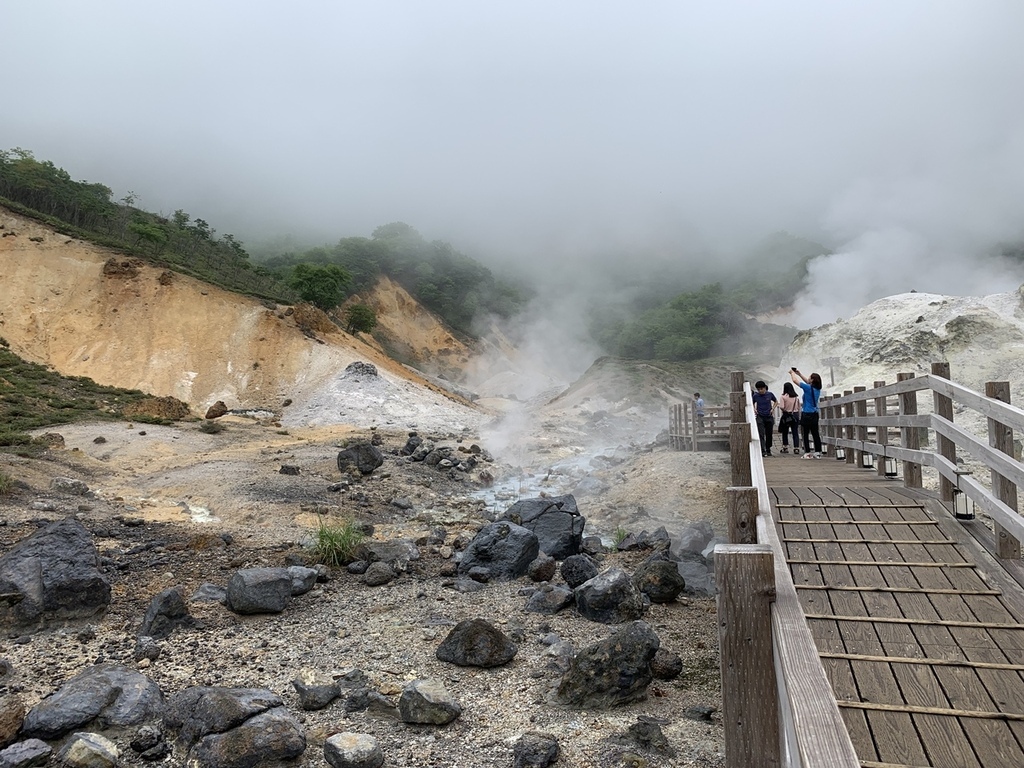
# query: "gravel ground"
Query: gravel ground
164,499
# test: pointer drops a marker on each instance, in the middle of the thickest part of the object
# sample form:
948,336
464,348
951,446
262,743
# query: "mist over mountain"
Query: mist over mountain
582,145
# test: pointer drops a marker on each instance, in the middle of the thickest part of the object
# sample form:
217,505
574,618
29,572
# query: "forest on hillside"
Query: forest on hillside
669,316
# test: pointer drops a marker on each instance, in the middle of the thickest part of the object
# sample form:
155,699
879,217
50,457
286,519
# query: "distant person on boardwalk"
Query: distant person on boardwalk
765,404
698,407
789,420
809,417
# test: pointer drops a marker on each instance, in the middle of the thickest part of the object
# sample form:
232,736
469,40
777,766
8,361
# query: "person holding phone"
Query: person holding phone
809,413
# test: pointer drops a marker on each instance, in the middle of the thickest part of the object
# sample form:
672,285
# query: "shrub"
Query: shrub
336,545
211,427
619,535
6,483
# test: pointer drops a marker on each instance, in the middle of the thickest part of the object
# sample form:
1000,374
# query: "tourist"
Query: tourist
698,407
809,417
765,404
789,420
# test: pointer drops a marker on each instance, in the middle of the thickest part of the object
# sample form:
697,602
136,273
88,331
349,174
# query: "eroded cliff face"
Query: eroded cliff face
64,303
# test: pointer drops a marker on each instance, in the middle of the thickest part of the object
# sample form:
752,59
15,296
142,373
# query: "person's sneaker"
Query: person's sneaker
817,455
796,451
784,449
808,456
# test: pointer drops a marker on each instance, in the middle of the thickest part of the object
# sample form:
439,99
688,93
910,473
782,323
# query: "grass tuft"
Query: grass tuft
619,535
336,545
6,483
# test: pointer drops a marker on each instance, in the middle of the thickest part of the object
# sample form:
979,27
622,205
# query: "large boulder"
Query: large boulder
364,457
556,521
52,575
659,579
234,727
260,590
610,598
427,702
110,693
613,671
476,643
166,612
503,550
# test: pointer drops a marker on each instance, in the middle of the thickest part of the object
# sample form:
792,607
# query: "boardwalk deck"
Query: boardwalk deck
919,630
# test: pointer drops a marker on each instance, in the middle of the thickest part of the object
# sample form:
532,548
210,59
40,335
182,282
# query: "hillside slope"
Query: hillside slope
87,311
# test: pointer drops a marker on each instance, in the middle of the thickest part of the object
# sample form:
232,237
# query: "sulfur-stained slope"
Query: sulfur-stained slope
134,325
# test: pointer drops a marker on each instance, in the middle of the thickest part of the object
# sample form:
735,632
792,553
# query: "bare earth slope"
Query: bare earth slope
168,334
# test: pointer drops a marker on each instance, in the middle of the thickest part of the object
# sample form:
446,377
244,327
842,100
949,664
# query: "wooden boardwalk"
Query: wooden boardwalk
918,628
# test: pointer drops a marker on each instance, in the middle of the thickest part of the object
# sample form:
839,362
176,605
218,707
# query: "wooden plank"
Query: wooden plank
1017,716
927,661
939,622
907,590
872,541
824,740
863,522
883,563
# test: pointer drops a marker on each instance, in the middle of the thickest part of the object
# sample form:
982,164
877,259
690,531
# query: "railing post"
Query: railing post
943,407
745,576
1000,437
851,453
692,411
737,400
910,437
881,433
741,509
860,408
739,453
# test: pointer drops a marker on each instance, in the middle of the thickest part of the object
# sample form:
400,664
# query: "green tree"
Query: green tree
322,286
359,318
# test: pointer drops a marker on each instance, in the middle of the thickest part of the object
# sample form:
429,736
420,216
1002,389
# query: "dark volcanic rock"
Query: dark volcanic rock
109,692
364,457
556,521
52,575
503,549
476,643
610,598
613,671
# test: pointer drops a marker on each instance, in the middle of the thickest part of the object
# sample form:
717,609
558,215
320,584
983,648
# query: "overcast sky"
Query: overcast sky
537,129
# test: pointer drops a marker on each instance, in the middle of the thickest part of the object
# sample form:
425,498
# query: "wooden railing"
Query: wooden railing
884,423
686,430
778,706
779,709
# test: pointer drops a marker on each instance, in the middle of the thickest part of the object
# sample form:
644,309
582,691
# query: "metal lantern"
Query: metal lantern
891,468
963,507
867,460
840,453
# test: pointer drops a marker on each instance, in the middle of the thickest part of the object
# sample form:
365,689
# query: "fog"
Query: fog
535,134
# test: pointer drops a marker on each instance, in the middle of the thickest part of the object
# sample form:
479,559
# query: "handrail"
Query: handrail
812,731
998,414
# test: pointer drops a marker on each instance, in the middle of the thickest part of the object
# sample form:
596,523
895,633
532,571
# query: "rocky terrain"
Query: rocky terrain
177,507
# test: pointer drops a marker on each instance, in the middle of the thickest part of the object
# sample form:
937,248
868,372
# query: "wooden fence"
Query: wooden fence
882,427
779,709
778,706
688,431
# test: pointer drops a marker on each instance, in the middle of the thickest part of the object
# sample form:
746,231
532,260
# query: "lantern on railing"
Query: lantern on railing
867,460
890,464
963,507
840,453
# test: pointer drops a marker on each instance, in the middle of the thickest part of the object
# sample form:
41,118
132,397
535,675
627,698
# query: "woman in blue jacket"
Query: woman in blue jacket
809,416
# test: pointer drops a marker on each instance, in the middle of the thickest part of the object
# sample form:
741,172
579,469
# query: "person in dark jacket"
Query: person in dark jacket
765,404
